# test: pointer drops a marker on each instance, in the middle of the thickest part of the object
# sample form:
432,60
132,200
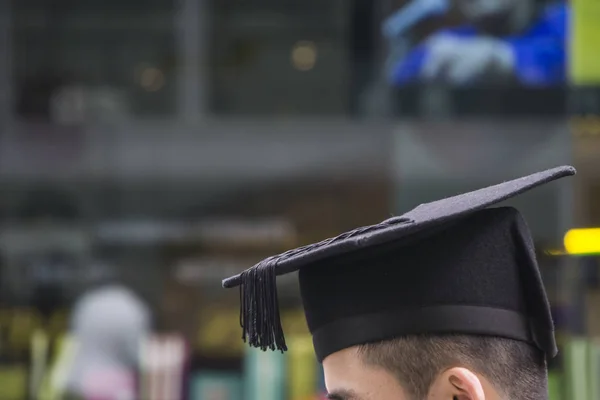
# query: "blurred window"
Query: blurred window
104,57
279,57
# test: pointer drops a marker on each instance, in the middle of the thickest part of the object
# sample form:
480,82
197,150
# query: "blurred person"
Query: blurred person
109,324
443,302
514,41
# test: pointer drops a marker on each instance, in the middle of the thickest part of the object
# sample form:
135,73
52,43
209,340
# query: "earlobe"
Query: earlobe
457,384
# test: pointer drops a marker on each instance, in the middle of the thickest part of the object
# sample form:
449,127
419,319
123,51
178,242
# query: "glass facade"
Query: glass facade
119,56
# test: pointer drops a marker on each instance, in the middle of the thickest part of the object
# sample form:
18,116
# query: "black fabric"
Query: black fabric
410,274
483,261
439,320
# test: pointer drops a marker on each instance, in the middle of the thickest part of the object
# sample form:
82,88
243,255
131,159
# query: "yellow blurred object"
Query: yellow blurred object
54,379
5,318
152,79
219,330
585,36
304,55
13,382
294,322
59,323
585,126
583,241
23,323
555,252
39,359
302,367
219,333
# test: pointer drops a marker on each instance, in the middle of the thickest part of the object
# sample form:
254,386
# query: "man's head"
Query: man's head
461,367
434,289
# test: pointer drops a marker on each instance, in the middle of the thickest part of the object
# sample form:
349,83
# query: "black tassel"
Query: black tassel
259,307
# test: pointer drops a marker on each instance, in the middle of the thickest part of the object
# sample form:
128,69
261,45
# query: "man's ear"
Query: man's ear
457,384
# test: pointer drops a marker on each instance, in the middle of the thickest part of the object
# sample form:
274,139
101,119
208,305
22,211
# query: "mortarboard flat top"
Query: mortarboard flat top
452,266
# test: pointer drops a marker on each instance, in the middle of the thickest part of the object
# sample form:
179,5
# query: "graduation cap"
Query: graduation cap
453,266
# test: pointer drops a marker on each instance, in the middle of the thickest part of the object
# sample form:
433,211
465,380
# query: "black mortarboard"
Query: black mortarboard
453,266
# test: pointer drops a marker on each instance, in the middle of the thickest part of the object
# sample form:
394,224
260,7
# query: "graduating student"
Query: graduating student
443,302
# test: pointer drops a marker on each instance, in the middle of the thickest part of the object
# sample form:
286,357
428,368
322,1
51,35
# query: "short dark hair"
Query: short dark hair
516,369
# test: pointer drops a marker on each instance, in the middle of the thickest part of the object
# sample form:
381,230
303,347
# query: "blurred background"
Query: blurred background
149,148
